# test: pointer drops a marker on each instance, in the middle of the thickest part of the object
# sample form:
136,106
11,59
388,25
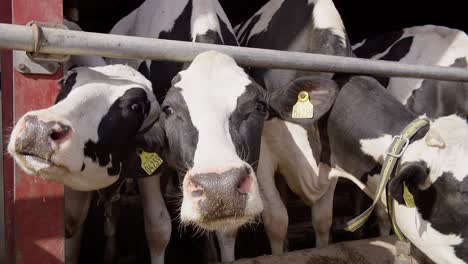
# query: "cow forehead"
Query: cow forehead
112,75
213,80
452,158
103,85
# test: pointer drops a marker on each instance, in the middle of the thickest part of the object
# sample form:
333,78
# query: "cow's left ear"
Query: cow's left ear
291,102
411,174
146,154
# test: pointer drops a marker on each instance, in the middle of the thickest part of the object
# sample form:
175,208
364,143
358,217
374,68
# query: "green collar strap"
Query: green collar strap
396,150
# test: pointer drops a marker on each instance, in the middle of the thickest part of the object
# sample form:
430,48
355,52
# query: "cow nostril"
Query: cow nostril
60,134
244,184
197,193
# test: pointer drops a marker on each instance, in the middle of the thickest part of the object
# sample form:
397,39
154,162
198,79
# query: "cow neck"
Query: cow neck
363,110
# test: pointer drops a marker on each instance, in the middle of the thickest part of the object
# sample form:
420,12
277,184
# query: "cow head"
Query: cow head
212,120
82,140
435,171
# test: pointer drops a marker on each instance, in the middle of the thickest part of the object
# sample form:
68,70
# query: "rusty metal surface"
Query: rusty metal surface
38,227
369,251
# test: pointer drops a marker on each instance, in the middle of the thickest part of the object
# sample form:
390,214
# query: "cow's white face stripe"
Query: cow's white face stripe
210,87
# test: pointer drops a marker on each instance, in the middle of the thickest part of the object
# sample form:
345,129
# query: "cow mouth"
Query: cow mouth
225,223
36,162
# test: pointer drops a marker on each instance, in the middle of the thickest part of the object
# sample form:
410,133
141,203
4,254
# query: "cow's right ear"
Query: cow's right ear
321,93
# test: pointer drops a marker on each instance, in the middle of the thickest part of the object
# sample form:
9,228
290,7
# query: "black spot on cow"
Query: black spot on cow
117,128
66,84
450,210
439,98
414,174
285,25
161,72
83,167
246,123
178,131
210,37
379,44
362,110
396,53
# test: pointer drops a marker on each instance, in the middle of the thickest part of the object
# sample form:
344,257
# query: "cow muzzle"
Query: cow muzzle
226,199
34,142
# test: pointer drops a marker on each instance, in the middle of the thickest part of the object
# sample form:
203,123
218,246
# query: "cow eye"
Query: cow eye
261,107
136,107
168,110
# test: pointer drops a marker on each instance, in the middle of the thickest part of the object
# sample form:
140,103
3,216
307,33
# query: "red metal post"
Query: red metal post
7,121
35,224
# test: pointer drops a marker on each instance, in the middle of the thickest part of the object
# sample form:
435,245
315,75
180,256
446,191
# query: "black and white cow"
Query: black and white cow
306,26
202,21
75,141
427,45
358,131
211,126
310,155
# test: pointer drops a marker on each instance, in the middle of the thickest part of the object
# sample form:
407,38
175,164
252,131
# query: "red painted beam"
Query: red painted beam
38,205
7,121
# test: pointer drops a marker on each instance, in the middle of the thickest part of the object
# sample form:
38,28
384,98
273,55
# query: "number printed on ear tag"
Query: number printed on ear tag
303,107
150,161
408,197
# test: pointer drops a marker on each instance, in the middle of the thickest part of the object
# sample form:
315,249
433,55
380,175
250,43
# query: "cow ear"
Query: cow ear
411,174
146,155
321,94
66,84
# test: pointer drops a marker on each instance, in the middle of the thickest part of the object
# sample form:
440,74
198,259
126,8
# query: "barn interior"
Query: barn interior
362,19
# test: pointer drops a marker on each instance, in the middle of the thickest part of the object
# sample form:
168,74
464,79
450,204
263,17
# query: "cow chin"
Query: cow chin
85,180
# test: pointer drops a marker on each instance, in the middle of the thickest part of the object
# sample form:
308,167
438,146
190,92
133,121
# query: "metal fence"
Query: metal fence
61,41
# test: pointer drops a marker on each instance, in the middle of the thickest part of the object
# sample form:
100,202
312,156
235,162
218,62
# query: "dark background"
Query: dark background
362,18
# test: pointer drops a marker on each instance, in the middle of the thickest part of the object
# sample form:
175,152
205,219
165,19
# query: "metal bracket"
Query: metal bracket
36,62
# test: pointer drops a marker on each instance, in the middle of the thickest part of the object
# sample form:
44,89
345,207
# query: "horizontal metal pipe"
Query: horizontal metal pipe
59,41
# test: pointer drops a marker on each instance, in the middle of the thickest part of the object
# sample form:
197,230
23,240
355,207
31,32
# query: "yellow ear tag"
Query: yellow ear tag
150,161
408,197
303,107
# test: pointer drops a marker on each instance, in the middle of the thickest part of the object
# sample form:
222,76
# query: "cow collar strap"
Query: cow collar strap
396,150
